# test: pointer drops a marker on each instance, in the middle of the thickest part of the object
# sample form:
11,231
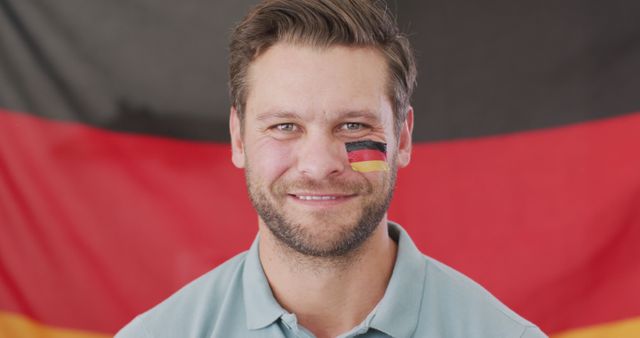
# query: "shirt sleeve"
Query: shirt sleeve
533,332
135,329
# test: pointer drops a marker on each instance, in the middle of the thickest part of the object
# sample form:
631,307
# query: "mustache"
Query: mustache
334,185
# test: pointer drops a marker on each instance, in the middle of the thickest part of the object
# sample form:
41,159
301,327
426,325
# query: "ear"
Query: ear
404,140
237,147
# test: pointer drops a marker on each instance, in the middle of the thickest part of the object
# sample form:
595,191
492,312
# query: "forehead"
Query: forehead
305,80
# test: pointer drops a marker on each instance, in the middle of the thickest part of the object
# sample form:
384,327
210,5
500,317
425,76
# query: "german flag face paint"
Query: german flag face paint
367,156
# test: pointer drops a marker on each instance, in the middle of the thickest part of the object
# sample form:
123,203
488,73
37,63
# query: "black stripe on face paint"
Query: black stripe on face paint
366,144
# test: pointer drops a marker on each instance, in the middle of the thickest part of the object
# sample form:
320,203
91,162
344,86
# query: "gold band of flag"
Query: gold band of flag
18,326
629,328
368,166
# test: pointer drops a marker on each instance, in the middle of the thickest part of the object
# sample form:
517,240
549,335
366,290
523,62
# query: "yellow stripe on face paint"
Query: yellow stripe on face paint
629,328
18,326
369,166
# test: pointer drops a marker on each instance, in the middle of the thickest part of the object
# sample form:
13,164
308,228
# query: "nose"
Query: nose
320,156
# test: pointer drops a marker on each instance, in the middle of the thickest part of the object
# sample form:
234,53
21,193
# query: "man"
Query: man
321,122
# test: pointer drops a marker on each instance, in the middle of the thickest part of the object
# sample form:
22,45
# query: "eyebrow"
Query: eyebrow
278,115
360,113
287,115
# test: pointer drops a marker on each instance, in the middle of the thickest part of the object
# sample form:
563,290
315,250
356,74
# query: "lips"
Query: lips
316,198
319,197
330,192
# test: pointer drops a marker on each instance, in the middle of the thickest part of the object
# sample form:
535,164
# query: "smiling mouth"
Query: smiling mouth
316,198
308,197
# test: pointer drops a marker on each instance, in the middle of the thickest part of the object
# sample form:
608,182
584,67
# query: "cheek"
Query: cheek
269,159
378,180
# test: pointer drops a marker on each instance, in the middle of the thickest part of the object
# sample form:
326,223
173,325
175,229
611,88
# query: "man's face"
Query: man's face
303,105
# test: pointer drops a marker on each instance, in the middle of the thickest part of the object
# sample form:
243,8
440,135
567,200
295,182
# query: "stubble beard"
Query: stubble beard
300,238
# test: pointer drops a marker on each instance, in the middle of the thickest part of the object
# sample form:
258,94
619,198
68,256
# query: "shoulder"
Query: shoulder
192,310
455,306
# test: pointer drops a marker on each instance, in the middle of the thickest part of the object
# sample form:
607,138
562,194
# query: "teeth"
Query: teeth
317,198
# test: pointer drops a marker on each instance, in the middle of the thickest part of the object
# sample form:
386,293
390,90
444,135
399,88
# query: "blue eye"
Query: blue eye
285,127
353,126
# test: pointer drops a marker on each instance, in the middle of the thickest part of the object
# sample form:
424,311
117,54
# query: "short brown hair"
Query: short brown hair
323,23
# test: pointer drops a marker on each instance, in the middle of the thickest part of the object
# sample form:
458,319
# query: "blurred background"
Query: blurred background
116,186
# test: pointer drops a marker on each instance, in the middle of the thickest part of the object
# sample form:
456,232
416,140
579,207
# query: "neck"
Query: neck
329,295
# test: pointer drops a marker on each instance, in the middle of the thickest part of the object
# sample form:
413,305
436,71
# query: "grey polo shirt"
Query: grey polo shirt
424,298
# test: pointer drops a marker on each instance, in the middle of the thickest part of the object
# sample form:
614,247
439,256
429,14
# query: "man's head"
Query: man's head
308,77
323,23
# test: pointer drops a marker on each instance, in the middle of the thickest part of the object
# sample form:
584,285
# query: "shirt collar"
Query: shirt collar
260,305
398,312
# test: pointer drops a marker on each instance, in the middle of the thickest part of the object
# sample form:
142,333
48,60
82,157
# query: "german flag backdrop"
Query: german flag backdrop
116,186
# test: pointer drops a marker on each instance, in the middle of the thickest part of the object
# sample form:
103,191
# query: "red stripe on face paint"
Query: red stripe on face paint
366,155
